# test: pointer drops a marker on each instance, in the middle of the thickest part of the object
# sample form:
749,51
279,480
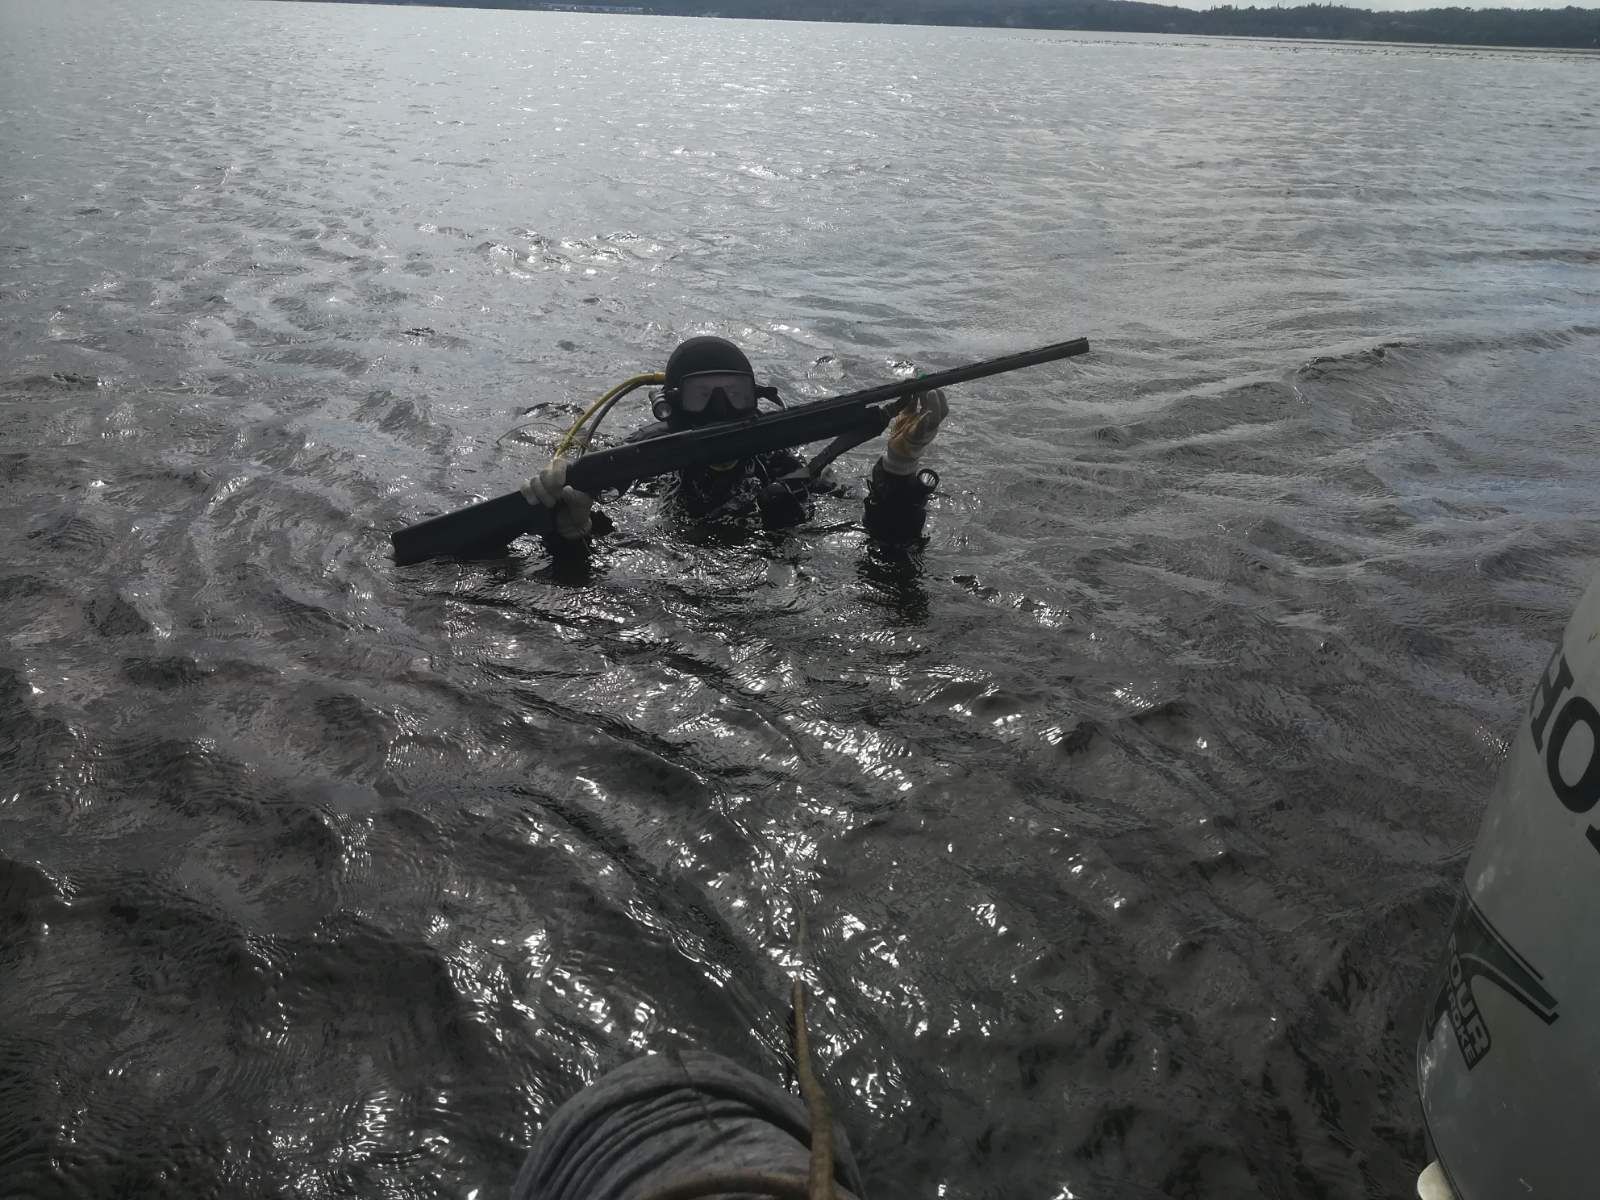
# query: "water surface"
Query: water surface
1124,822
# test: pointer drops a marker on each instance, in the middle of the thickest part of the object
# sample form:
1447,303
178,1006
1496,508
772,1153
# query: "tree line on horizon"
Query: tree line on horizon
1558,28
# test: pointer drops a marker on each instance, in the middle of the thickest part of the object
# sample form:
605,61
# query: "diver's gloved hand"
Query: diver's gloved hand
913,431
571,507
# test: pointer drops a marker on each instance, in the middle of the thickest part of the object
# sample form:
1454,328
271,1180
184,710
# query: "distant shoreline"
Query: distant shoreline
1545,30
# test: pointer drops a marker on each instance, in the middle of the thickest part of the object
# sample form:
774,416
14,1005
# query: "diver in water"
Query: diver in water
708,380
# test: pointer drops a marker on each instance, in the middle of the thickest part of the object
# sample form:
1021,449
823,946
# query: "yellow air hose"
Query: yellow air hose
604,403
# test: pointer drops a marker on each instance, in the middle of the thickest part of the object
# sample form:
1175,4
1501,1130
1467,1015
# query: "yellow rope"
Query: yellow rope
820,1184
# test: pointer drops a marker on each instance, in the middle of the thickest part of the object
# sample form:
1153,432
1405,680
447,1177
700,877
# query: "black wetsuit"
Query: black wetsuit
760,493
744,493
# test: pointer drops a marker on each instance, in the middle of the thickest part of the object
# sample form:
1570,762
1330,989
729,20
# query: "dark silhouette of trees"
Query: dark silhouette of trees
1569,28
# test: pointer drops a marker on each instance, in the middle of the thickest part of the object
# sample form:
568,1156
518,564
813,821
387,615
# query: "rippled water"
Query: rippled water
1124,824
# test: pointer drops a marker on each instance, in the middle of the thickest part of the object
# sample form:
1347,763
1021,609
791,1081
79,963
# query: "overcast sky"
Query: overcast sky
1389,5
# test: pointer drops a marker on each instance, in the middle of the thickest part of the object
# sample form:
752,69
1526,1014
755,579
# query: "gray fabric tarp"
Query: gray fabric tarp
663,1118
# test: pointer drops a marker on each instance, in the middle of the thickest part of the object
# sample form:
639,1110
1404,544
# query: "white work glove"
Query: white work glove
571,507
913,431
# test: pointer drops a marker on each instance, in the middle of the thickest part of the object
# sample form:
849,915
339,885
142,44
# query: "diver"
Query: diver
709,380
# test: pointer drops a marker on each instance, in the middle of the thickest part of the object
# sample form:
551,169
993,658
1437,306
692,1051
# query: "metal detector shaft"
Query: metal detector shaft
938,379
